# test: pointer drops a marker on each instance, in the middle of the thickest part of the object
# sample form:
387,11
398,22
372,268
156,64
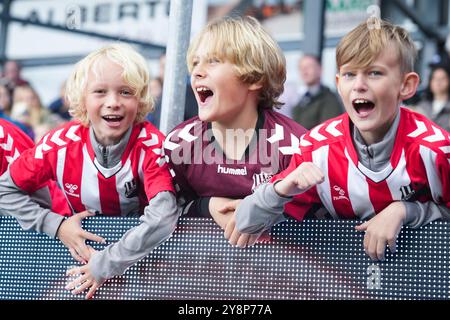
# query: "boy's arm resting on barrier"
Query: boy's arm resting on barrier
421,213
264,208
383,229
261,210
31,211
157,224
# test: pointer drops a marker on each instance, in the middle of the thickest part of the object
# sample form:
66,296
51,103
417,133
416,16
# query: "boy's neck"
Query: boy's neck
236,134
110,155
376,156
372,137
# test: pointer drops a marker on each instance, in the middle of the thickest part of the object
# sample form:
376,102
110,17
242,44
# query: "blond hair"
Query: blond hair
257,57
362,45
135,74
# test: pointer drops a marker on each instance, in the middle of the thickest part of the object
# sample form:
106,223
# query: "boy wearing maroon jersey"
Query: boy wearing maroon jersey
108,160
378,161
237,141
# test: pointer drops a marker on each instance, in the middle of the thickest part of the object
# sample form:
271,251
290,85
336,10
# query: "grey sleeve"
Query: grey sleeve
419,214
32,212
157,224
261,210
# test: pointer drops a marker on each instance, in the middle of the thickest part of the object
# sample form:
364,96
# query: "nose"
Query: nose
360,83
198,72
112,100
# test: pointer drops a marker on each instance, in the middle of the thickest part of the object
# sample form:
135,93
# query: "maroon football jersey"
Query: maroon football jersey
201,169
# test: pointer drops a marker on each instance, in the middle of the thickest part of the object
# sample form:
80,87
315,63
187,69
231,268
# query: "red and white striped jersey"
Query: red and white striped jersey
13,142
66,155
418,169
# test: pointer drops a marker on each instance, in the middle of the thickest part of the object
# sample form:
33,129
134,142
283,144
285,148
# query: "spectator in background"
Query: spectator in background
27,108
318,103
60,106
5,99
5,108
190,105
11,75
435,102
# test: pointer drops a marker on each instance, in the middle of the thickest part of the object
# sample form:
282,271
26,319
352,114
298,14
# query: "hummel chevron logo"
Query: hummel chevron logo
14,157
421,128
142,134
293,148
314,133
278,135
55,138
331,128
438,135
303,142
151,142
8,145
185,135
71,133
169,145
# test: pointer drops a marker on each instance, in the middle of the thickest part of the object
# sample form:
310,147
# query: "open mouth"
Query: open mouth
112,118
363,106
204,93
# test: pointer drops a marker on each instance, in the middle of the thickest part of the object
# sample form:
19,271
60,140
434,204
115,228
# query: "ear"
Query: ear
409,85
337,83
255,86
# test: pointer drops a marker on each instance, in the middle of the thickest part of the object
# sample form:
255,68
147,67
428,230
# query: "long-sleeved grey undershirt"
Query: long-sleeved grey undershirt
33,212
264,207
157,223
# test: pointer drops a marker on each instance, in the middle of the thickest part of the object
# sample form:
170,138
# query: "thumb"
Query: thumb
362,227
230,206
85,214
226,208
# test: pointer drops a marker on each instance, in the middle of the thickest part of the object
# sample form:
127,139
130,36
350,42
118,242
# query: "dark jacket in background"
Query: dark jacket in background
319,108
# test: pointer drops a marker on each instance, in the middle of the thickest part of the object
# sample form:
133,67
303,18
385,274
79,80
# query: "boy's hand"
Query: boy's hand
74,237
226,213
383,229
85,280
235,238
221,209
304,177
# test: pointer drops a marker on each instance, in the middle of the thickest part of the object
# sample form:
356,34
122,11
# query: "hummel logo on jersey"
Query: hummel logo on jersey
341,194
407,192
130,189
70,189
232,171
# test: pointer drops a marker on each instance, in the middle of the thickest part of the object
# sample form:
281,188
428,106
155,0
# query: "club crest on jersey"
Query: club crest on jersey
130,189
70,189
408,192
260,178
340,194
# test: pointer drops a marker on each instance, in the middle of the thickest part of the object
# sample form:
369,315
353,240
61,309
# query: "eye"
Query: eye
375,73
348,75
99,91
126,92
213,60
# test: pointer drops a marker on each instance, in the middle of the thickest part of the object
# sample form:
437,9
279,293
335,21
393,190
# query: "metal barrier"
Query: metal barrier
312,260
